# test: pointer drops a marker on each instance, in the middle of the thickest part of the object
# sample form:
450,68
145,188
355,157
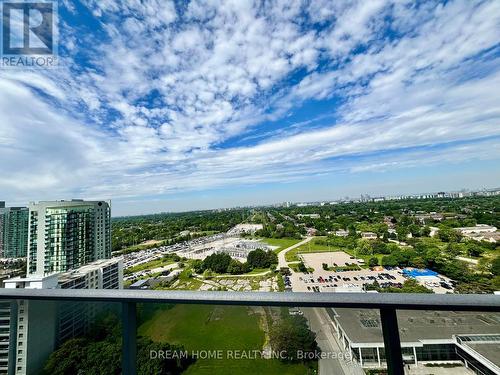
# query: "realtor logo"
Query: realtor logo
28,34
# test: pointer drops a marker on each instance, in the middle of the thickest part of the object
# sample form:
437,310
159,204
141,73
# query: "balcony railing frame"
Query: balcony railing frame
387,303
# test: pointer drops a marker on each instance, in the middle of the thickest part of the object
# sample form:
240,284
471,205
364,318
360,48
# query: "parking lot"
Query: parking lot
332,259
346,281
321,280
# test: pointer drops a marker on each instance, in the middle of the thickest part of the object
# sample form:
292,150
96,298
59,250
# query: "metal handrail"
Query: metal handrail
398,301
388,303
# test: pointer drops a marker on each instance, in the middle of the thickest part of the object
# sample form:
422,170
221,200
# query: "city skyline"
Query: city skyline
361,197
250,104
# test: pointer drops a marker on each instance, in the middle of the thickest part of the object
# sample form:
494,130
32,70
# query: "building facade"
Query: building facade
36,328
65,235
426,337
13,232
8,336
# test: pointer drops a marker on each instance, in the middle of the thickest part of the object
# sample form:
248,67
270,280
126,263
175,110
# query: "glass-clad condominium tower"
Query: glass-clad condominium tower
13,232
65,235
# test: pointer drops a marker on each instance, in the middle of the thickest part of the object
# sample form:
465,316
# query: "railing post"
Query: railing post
392,344
129,343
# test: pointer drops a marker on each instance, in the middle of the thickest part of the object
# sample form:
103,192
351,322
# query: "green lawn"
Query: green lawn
252,272
366,258
186,282
314,247
226,328
310,247
257,271
150,265
282,243
295,267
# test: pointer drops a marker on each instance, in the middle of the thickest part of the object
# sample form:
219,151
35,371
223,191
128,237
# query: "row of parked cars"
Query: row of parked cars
442,284
331,278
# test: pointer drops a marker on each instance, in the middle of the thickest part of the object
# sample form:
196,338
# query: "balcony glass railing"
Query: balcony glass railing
58,331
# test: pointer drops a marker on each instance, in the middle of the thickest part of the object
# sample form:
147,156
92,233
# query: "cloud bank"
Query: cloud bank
155,97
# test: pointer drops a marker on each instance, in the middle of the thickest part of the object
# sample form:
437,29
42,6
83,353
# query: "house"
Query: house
368,235
310,216
311,231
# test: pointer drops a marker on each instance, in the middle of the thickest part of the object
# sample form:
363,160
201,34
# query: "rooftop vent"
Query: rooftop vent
370,323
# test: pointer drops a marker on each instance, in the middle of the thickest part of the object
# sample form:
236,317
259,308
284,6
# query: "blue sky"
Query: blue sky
163,105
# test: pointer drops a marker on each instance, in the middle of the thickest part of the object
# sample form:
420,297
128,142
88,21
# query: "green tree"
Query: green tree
261,259
391,247
218,262
454,249
495,266
449,235
291,335
373,262
235,267
389,261
379,247
364,247
474,249
302,267
102,357
402,232
68,358
409,286
425,232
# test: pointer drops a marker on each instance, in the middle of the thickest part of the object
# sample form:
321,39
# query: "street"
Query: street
319,322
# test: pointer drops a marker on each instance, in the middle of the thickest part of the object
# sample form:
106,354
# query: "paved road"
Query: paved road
281,255
319,322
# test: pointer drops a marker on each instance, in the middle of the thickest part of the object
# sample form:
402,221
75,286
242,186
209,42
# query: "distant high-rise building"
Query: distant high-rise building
13,231
65,235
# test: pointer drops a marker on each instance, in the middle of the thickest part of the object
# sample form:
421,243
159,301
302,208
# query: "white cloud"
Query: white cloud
167,87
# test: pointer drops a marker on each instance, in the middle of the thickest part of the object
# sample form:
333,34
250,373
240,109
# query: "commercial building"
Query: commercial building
13,231
244,228
65,235
426,336
36,328
481,353
481,232
479,228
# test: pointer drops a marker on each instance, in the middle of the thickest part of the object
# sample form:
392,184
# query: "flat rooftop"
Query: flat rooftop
363,326
489,351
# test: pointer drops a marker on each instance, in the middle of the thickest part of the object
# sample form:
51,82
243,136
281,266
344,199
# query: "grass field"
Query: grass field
311,247
366,258
282,243
226,328
295,267
150,265
185,282
314,247
257,271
